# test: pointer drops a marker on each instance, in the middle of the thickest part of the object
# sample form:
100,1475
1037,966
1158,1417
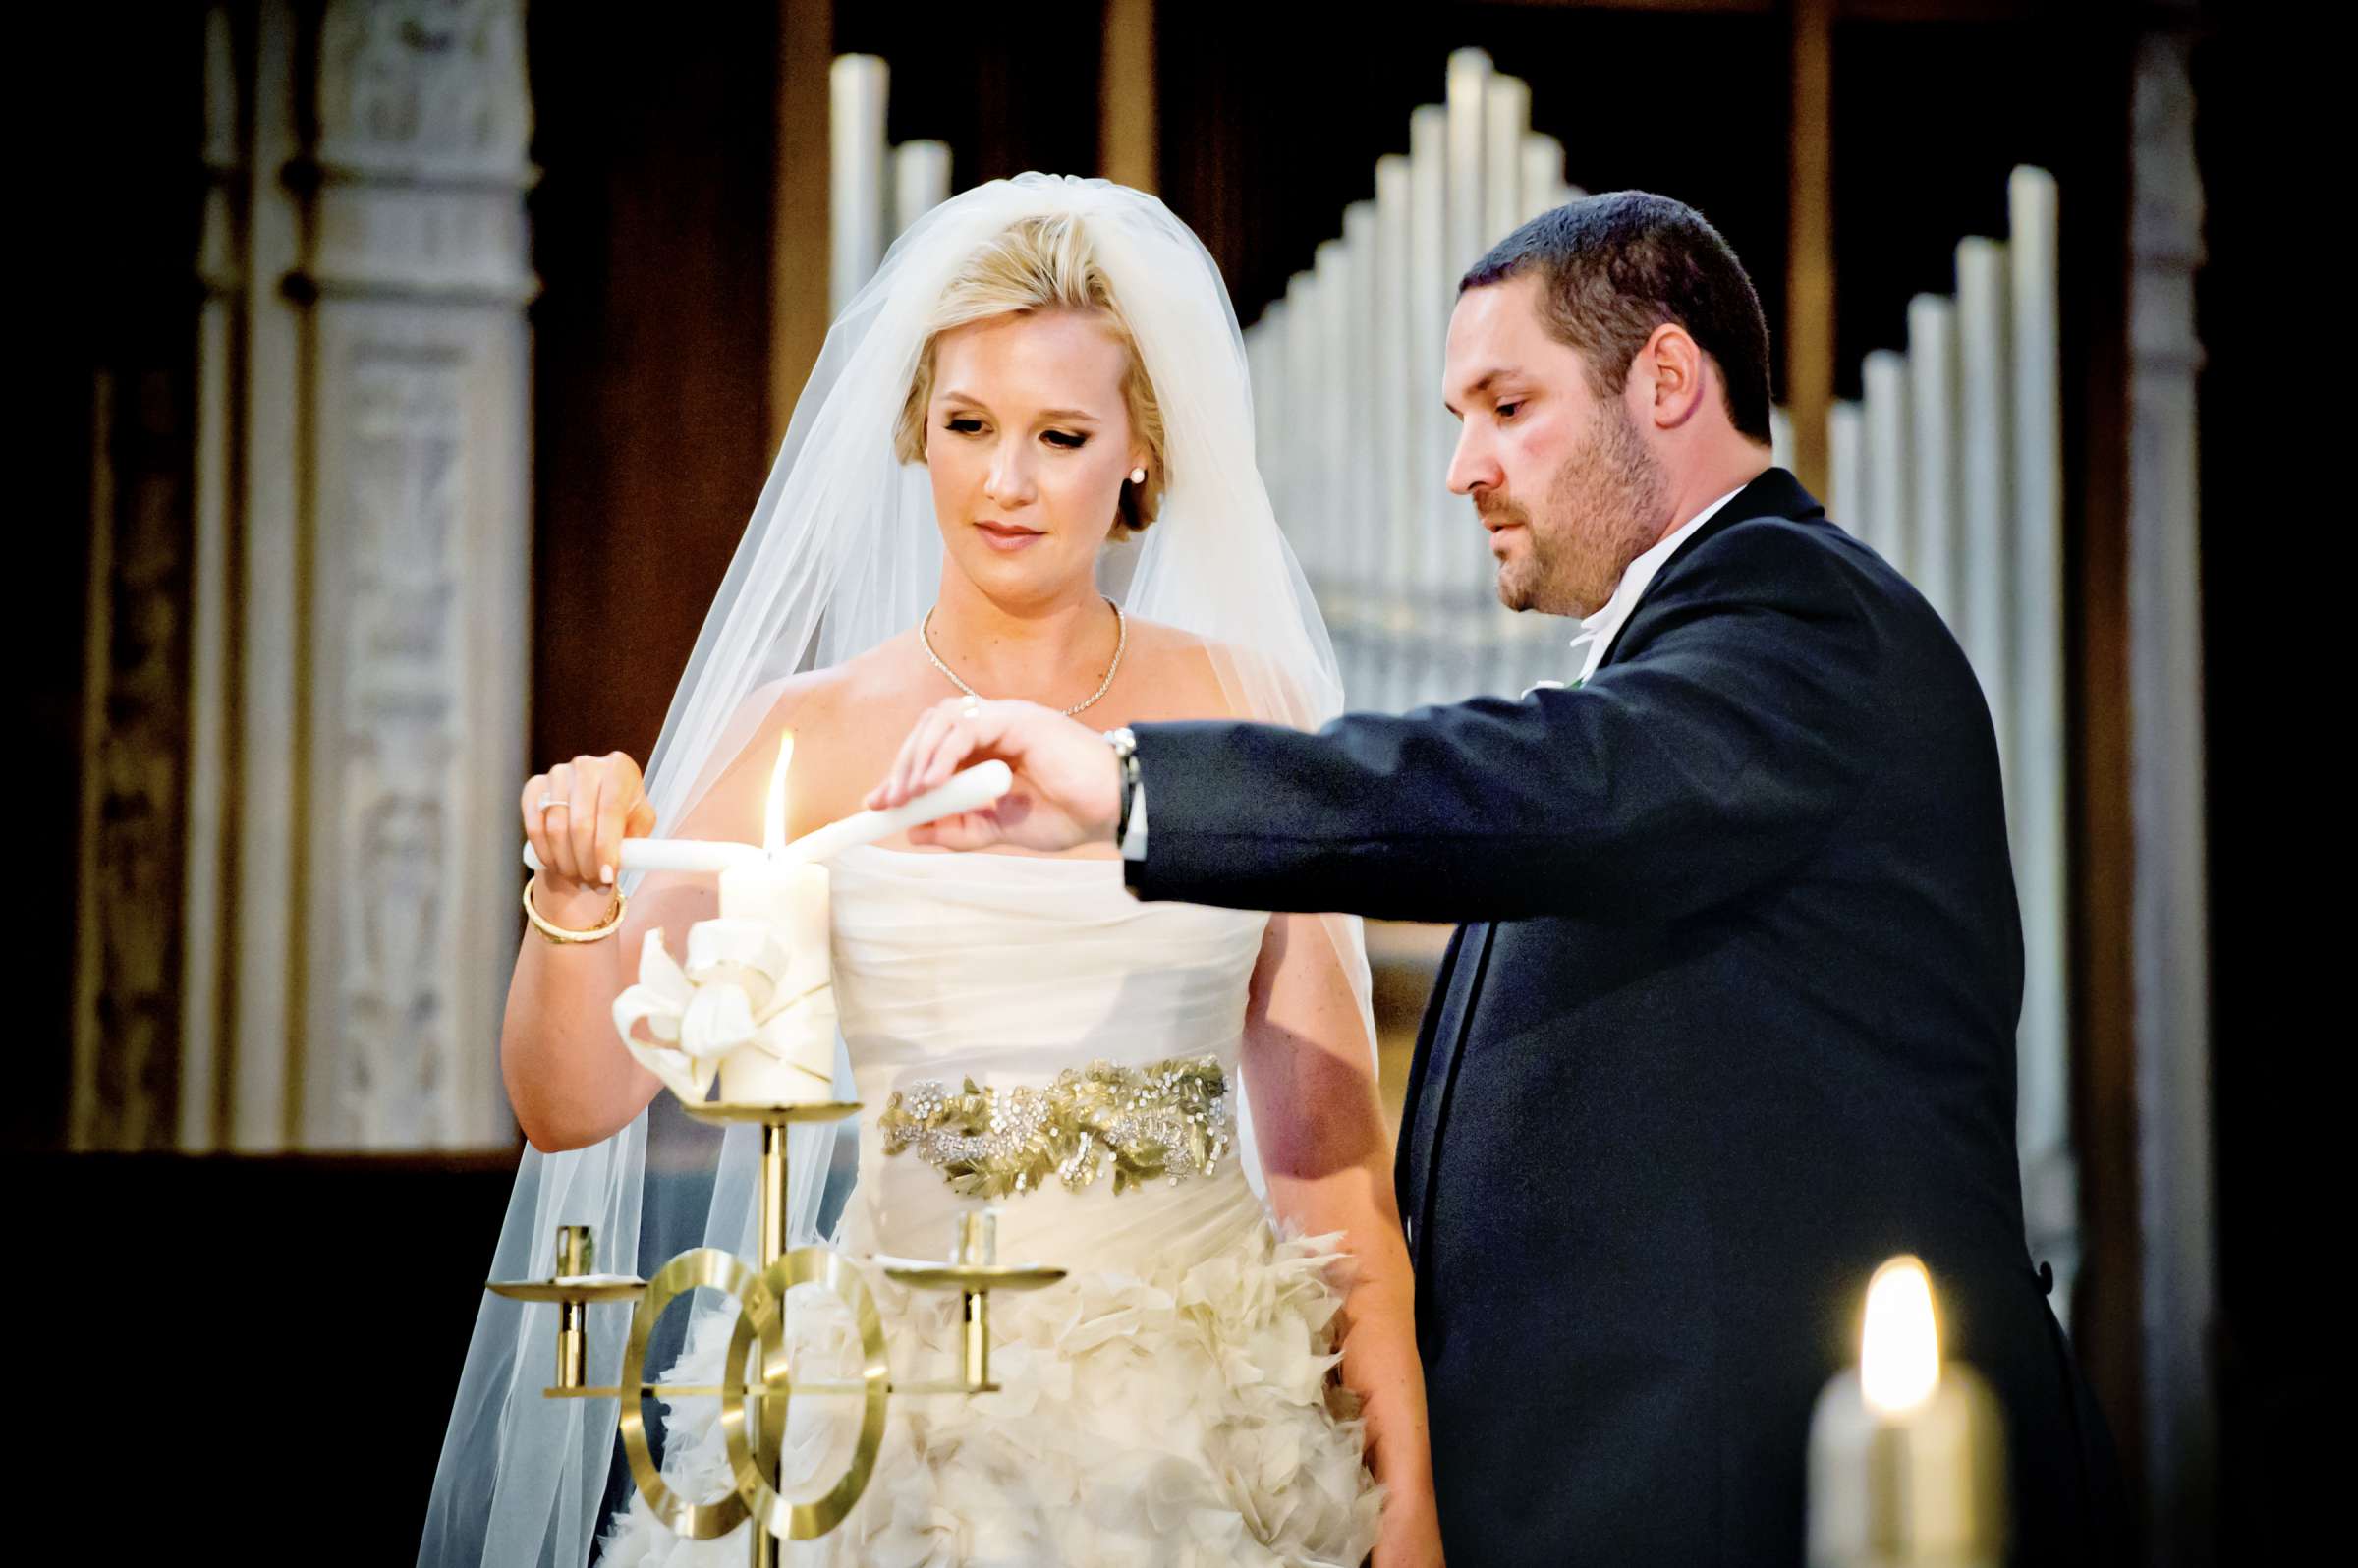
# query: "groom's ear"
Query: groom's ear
1671,369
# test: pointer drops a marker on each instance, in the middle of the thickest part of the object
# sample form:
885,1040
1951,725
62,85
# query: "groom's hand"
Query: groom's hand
1068,783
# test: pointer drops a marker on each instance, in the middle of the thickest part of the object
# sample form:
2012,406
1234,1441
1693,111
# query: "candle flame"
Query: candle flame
1899,1359
773,817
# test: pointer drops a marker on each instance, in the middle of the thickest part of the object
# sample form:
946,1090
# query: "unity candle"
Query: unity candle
754,1005
1906,1454
789,900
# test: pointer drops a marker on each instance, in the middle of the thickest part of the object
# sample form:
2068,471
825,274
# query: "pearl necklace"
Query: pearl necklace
1121,640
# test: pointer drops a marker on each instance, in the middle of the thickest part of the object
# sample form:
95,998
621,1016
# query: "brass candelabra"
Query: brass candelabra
754,1406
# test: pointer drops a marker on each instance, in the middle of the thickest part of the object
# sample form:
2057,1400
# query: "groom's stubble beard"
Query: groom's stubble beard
1602,509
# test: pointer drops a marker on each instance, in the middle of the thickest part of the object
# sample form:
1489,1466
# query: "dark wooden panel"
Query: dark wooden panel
2274,964
2106,1318
301,1420
1273,117
111,210
1007,95
651,234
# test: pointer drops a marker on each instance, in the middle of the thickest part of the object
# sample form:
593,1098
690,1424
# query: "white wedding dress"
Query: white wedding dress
1171,1402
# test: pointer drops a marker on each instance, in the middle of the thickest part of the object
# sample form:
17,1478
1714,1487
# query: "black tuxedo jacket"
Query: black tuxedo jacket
1731,1020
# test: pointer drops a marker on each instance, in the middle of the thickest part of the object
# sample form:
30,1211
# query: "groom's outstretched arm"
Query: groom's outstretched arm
1733,730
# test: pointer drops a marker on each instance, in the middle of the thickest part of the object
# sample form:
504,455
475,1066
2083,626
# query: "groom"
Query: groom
1731,1015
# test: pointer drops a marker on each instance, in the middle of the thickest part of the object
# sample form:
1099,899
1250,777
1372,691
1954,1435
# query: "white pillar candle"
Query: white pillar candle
795,1061
754,1003
1846,465
1542,175
1906,1460
1469,112
1357,490
2041,771
1933,401
1432,291
1332,417
1463,621
1271,395
921,180
1986,598
1505,121
1393,328
856,92
1304,371
1882,515
792,900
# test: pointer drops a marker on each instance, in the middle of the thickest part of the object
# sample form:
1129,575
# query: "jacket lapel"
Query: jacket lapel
1452,1012
1773,492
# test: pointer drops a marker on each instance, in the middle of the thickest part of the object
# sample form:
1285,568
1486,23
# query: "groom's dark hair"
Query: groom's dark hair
1615,266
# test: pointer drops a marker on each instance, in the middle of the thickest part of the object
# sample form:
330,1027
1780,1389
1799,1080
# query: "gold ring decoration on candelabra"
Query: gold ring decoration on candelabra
757,1314
805,1266
754,1409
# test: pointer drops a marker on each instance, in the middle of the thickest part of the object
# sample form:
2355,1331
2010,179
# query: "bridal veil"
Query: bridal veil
841,553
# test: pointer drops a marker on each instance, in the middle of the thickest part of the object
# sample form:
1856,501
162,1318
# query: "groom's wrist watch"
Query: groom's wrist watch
1132,822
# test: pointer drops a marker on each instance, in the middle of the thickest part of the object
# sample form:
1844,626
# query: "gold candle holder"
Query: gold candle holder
754,1411
576,1256
977,1245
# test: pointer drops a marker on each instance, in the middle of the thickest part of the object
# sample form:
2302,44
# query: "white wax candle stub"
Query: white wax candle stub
1906,1457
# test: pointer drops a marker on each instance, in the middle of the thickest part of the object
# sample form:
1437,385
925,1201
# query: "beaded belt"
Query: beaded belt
1170,1118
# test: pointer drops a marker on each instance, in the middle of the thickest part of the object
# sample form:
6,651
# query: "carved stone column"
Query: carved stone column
2172,941
360,644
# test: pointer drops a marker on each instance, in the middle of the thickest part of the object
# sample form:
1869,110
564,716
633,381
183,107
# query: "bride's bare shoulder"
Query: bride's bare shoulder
1179,674
847,722
822,699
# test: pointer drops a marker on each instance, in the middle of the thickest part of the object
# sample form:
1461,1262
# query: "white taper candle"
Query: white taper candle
970,791
1932,405
691,856
856,191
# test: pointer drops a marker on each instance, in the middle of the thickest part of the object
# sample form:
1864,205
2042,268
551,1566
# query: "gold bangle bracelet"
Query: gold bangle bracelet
558,933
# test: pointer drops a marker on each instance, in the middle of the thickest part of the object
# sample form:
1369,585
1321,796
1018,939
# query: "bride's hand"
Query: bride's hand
1067,788
575,816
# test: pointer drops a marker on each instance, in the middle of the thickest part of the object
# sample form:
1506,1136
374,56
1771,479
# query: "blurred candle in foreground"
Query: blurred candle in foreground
1906,1454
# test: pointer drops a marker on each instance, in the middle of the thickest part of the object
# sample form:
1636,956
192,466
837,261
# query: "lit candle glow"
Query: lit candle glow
1899,1353
773,810
1906,1454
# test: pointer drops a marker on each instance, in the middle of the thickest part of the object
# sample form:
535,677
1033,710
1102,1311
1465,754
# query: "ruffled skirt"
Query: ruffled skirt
1182,1416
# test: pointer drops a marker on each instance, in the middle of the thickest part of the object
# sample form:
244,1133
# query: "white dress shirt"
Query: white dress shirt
1134,842
1597,630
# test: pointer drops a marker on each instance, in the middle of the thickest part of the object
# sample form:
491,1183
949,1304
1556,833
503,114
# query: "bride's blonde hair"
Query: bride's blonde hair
1041,263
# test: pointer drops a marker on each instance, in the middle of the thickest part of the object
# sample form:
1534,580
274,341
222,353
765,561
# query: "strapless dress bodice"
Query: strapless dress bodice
1010,969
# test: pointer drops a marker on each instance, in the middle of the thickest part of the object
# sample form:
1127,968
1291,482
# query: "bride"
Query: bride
1023,468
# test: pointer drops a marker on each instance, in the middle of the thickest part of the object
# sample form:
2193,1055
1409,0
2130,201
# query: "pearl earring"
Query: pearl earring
1138,475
